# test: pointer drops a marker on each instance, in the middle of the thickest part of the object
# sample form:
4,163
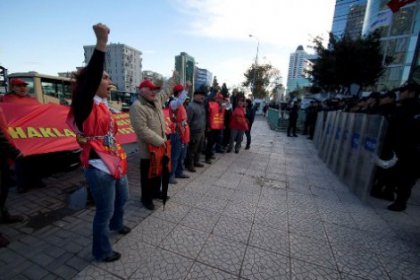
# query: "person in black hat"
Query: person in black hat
387,104
403,138
196,113
372,103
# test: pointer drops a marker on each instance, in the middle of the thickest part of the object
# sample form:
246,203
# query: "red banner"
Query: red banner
39,129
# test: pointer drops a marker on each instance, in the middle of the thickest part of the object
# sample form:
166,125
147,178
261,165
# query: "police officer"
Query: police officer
404,140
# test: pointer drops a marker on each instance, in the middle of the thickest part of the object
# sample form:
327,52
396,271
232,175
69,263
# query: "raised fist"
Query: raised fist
101,32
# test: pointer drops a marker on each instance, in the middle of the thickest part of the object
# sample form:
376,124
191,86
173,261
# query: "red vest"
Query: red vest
95,127
216,116
238,120
169,125
179,118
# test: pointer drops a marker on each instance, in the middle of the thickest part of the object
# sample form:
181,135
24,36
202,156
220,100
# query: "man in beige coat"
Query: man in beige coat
148,121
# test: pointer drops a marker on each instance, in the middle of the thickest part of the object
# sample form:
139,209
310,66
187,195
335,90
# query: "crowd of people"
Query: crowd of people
212,122
173,132
168,126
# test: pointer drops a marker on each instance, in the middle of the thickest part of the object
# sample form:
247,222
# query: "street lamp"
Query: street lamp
256,61
258,46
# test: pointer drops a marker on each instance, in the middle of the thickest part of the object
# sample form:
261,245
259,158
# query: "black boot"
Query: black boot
398,207
6,218
3,241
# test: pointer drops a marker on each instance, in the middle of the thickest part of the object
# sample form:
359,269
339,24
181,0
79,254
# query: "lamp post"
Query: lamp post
256,62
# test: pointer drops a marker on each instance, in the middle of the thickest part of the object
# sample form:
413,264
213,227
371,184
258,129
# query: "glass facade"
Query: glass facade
348,17
203,77
399,41
184,65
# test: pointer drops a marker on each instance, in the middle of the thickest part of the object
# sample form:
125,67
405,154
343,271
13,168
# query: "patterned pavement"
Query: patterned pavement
272,212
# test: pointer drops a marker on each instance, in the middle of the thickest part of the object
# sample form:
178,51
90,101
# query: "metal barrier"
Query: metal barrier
319,128
273,118
347,143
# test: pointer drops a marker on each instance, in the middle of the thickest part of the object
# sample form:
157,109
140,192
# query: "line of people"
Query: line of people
208,124
399,159
394,179
104,159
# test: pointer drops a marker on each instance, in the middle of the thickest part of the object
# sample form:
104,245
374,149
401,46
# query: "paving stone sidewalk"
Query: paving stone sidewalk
272,212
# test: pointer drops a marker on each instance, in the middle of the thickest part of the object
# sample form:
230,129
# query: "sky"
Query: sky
48,36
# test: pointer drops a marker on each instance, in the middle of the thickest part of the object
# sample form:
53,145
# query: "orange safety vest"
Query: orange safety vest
216,116
98,124
179,118
238,120
169,125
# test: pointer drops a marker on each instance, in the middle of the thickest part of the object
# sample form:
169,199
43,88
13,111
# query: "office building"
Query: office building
203,77
299,64
185,66
156,77
123,64
348,18
399,39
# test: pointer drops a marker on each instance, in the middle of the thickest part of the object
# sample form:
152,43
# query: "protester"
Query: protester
19,93
27,169
181,136
226,130
148,121
196,113
7,151
238,125
102,157
216,114
250,116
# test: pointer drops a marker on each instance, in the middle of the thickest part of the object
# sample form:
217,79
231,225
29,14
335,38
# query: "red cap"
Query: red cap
178,88
148,84
17,82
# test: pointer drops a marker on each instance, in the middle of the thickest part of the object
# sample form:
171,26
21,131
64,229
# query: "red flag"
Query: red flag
396,5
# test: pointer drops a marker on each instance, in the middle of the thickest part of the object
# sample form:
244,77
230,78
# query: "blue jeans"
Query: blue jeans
176,155
110,196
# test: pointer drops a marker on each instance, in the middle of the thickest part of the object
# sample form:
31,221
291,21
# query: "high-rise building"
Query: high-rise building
348,17
203,77
185,66
123,64
399,39
3,79
151,75
299,63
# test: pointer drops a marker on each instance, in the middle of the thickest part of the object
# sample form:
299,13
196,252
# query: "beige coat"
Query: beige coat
148,120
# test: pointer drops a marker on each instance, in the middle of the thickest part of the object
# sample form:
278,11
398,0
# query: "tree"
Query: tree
277,92
260,78
215,83
224,90
347,62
